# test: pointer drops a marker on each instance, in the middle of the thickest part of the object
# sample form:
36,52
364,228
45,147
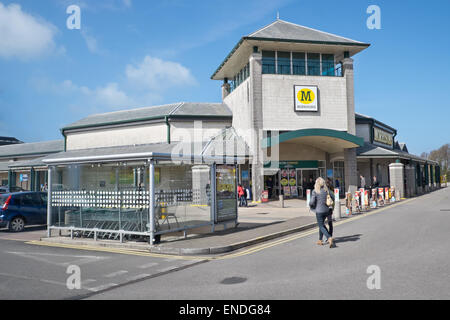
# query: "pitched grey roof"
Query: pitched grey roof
9,140
284,30
373,151
175,110
28,163
35,148
363,118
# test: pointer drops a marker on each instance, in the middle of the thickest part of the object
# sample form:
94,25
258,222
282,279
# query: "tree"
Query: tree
442,156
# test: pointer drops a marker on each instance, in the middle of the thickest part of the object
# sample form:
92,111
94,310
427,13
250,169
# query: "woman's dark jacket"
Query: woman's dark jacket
318,202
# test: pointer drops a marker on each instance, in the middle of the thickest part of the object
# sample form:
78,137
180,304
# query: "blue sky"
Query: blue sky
132,53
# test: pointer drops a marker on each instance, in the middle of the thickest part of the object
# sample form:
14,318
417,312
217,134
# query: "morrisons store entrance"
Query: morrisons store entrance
304,155
295,177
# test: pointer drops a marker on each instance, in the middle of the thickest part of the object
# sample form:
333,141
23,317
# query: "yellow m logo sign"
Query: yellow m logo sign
306,96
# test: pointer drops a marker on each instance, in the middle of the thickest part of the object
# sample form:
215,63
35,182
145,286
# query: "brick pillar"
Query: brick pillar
256,124
350,168
396,172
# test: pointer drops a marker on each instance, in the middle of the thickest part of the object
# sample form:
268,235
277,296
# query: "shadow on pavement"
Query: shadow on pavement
355,237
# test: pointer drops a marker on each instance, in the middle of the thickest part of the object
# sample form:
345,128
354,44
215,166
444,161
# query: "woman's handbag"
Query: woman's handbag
330,202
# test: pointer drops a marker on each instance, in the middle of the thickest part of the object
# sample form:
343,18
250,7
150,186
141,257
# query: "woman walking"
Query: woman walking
318,204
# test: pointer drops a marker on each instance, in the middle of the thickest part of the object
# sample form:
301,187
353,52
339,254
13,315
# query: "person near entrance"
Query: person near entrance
363,181
269,186
242,197
304,186
318,204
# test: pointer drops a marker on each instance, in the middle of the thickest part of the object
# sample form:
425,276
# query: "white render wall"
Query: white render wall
239,103
119,136
278,103
140,134
196,130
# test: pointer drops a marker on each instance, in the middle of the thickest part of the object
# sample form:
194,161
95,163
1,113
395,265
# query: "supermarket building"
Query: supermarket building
287,116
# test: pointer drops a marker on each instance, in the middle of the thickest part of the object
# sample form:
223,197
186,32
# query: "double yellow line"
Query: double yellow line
253,249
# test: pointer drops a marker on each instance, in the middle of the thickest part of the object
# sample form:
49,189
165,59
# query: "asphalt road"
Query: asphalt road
39,272
408,243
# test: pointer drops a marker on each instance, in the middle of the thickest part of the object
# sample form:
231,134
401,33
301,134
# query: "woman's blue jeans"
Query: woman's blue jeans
321,222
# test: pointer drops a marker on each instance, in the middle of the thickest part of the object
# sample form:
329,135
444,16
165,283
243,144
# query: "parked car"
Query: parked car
5,189
20,209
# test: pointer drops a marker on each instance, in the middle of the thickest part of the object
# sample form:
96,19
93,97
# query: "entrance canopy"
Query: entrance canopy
325,139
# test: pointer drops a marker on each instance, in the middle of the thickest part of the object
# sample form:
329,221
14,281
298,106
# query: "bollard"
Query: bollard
366,200
374,199
356,202
281,201
348,204
363,204
337,205
380,197
308,197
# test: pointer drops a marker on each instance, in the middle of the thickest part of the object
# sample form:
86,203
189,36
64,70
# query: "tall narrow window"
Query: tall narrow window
268,62
284,62
313,64
328,65
298,63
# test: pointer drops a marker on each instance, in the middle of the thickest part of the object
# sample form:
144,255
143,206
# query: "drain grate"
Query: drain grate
233,280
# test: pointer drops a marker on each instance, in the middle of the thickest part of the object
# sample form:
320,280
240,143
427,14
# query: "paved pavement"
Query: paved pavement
257,224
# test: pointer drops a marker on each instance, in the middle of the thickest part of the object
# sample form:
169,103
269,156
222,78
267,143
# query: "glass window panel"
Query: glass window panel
268,62
328,65
314,64
284,62
183,196
298,63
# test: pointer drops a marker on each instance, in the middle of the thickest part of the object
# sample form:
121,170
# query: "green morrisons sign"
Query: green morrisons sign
311,164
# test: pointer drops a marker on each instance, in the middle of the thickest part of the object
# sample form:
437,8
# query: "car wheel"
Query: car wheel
17,224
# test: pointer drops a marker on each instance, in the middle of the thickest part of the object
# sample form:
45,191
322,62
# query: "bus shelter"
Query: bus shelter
140,192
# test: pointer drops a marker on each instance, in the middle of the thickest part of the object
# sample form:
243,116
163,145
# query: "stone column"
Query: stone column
256,124
350,168
347,67
396,172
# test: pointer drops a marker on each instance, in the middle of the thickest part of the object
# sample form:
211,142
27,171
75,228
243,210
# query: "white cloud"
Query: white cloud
153,76
127,3
157,75
91,42
22,35
111,96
